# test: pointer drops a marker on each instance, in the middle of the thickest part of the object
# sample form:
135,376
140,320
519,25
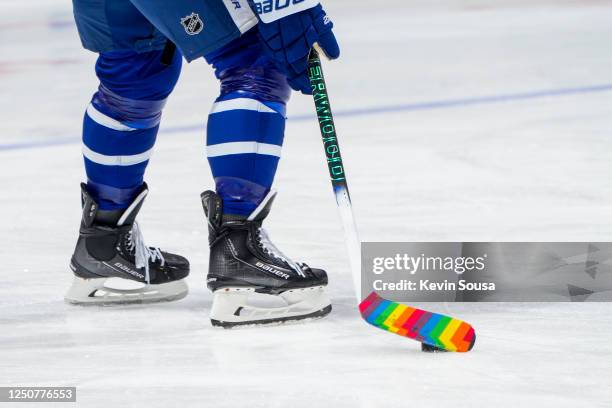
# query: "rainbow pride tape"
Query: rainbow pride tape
430,328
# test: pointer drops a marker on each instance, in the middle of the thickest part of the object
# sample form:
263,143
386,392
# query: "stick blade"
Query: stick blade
433,330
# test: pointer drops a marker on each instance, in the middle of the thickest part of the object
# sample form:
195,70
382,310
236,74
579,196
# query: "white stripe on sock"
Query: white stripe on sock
241,104
225,149
106,121
241,13
116,160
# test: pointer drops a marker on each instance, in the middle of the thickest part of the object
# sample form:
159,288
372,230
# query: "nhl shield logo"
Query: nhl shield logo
192,23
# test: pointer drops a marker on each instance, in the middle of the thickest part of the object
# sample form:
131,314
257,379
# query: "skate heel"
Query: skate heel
110,291
232,307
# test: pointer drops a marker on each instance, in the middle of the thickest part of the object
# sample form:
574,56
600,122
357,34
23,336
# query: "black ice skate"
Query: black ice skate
243,263
111,263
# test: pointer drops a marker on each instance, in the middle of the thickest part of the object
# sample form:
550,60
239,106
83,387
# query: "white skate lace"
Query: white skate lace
143,253
271,249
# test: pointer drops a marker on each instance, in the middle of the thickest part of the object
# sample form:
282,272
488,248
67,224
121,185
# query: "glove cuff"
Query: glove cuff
269,11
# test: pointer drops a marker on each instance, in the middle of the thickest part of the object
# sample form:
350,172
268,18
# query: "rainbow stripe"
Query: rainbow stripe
429,328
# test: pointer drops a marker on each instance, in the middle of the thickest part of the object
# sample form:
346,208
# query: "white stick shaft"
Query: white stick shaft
351,237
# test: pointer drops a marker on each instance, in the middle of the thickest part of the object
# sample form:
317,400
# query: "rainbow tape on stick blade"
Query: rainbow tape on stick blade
433,329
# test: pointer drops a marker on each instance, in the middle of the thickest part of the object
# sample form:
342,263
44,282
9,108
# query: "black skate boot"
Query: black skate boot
244,262
110,245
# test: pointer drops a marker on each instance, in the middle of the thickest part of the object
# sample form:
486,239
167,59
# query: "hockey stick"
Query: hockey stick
436,332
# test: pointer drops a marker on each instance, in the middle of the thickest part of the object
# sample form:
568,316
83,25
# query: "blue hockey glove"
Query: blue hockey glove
289,33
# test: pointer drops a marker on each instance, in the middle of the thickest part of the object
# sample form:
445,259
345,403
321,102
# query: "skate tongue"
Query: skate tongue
129,215
92,214
263,209
213,208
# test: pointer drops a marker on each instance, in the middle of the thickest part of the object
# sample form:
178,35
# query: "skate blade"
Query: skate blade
106,292
274,321
231,308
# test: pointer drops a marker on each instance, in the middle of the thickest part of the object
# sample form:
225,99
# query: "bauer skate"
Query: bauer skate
244,264
111,263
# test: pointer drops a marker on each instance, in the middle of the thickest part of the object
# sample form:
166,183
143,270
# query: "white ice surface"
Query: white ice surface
530,169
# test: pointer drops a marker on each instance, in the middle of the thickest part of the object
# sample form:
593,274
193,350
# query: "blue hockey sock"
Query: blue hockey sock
244,143
121,123
246,125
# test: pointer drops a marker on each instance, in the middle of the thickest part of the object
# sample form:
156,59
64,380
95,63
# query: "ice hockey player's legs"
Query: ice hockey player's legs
430,157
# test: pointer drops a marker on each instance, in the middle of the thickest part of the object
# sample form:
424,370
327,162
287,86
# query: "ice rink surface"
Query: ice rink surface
459,120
